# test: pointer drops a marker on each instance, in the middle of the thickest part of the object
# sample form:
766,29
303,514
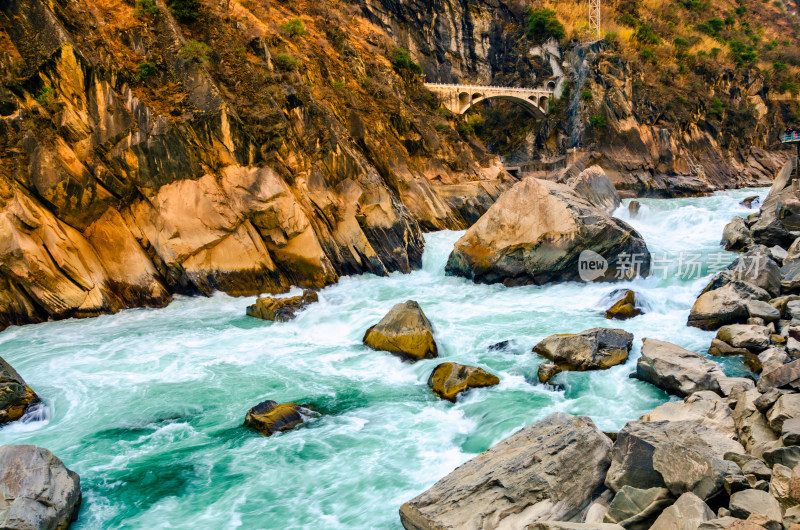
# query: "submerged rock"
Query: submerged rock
38,491
270,417
625,307
634,207
15,395
594,349
448,380
545,472
536,233
751,202
676,370
281,309
405,331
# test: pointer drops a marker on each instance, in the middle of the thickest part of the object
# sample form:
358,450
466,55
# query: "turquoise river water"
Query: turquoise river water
147,405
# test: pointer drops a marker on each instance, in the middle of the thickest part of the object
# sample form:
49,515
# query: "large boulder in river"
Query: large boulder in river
682,456
15,395
636,509
38,491
594,185
676,370
536,233
448,380
404,331
545,472
779,211
281,309
725,305
594,349
270,417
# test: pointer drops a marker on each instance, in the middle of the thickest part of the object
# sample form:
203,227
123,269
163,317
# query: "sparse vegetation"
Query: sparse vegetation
543,25
294,27
146,69
195,51
184,10
285,62
401,60
598,121
145,8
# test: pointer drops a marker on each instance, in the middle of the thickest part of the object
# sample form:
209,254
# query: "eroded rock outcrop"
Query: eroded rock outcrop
545,472
625,307
119,191
535,233
405,331
38,490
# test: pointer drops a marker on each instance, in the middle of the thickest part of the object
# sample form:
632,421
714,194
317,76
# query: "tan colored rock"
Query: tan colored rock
688,512
535,233
593,185
677,370
754,338
553,467
15,395
281,309
624,308
270,417
752,426
449,380
704,407
593,349
406,331
39,491
725,305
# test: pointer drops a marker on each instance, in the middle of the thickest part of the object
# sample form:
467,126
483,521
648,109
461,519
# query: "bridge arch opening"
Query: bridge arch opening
530,105
544,103
551,85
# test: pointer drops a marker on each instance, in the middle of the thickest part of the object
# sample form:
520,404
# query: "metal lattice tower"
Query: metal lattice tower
594,16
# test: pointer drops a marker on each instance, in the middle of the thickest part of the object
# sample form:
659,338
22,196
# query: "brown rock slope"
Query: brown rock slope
141,155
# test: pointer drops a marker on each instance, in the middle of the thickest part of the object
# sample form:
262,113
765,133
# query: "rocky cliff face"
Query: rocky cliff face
142,156
654,128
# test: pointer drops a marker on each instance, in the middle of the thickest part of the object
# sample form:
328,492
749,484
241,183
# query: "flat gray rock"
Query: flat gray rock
545,472
688,512
676,370
755,502
681,456
38,491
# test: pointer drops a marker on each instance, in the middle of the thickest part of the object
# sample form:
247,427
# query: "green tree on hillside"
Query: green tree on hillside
543,24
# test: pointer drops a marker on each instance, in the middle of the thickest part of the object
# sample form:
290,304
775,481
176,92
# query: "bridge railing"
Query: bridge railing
489,87
793,136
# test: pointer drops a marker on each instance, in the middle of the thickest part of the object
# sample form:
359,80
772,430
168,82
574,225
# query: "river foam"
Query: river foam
147,405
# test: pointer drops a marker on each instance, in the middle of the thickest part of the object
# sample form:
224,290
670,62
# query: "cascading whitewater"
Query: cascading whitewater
147,405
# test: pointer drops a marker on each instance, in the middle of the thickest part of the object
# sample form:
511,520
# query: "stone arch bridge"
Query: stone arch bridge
459,98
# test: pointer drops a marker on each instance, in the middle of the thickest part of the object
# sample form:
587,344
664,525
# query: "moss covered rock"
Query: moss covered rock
448,380
15,395
405,331
269,417
281,309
